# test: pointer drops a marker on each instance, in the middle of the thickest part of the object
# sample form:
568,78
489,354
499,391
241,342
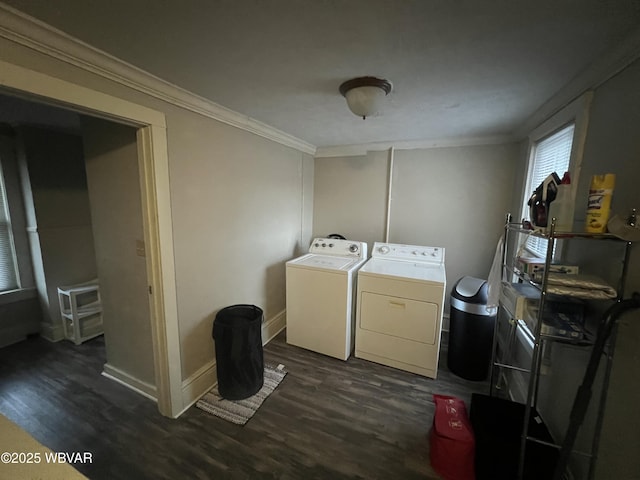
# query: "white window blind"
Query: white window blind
8,276
550,154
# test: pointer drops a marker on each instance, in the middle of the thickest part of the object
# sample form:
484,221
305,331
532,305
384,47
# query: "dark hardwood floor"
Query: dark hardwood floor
328,419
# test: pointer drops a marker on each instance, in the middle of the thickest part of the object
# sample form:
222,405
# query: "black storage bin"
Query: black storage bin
497,425
470,329
237,333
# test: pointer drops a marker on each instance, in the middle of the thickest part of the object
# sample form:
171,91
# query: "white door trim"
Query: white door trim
153,163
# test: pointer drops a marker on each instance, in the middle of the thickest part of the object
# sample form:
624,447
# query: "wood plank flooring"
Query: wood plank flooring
328,419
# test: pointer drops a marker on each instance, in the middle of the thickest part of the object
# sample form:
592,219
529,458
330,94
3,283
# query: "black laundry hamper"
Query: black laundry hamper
237,334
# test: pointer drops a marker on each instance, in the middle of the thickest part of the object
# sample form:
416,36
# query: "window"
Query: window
8,266
550,154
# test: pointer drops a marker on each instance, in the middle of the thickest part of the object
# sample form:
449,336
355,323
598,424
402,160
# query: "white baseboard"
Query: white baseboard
15,333
194,387
53,333
11,335
273,327
143,388
206,377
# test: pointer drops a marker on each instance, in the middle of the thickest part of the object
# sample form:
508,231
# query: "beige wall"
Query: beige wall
350,197
238,213
111,158
59,220
455,198
308,200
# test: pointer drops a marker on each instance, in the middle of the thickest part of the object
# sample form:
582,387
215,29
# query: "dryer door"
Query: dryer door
399,317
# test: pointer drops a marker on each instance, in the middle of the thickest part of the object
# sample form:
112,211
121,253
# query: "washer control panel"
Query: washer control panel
333,246
411,253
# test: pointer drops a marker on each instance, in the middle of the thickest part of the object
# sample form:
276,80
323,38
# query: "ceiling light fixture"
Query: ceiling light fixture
365,94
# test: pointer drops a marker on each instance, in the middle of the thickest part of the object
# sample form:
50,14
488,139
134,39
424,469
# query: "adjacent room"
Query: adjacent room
418,219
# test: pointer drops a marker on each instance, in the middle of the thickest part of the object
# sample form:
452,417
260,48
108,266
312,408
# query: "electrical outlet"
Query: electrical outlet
140,250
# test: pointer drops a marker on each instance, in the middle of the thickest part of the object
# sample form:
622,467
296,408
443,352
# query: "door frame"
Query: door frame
153,165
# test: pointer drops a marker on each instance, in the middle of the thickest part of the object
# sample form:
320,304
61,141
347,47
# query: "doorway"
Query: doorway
156,209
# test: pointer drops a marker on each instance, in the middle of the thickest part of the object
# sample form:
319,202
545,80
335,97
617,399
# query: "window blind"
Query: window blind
551,154
8,277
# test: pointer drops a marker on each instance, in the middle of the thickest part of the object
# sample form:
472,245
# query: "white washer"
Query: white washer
321,296
399,307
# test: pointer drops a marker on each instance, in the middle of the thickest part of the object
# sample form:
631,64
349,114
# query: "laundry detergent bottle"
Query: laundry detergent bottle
599,203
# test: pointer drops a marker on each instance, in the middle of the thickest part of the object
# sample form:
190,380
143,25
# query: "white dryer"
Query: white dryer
321,296
399,307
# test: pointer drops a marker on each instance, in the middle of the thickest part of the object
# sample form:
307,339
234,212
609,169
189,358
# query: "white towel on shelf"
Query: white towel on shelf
587,287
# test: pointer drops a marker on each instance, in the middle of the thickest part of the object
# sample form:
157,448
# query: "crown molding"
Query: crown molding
27,31
362,149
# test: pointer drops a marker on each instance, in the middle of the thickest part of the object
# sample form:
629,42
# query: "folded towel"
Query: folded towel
587,287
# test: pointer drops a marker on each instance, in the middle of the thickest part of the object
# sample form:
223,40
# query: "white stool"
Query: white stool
81,311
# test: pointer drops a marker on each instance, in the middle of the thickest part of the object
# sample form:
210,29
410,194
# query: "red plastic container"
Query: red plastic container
452,443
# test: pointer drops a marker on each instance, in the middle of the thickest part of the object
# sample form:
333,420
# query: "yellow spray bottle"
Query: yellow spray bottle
599,204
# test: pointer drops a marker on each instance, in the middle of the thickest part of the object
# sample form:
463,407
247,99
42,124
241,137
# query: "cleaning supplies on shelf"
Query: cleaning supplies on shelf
540,200
599,203
562,207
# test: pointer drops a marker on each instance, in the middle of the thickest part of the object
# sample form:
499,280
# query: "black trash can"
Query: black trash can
237,333
470,329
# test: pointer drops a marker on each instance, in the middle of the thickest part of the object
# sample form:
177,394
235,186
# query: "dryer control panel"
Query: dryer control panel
333,246
410,253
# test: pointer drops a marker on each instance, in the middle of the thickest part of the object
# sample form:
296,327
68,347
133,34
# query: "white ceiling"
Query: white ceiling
460,69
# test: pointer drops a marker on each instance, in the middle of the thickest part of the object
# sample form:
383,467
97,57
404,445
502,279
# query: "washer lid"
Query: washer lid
426,272
327,262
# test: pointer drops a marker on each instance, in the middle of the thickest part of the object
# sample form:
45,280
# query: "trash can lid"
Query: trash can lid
471,289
